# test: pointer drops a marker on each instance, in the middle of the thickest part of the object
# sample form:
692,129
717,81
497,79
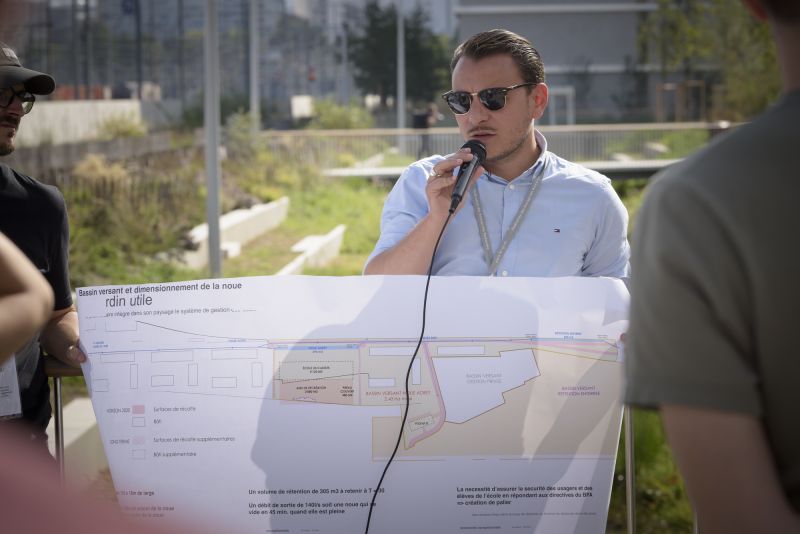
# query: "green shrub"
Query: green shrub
328,115
123,125
254,173
120,222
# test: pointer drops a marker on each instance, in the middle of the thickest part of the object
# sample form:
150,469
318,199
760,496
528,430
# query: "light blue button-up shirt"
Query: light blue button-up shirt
575,226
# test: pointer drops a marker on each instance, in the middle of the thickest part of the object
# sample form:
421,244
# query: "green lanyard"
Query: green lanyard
492,261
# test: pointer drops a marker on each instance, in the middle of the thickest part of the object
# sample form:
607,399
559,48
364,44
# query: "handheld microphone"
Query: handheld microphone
466,171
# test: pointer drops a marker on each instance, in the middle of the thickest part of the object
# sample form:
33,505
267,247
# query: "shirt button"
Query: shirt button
511,186
504,273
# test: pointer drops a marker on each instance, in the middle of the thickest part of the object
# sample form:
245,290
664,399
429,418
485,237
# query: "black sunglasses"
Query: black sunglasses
7,97
493,98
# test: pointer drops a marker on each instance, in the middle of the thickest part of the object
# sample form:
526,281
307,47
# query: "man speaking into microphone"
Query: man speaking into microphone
525,211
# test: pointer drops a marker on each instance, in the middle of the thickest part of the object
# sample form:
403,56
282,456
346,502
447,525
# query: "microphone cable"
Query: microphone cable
410,364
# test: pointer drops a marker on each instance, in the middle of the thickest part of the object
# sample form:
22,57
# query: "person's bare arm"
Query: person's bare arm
729,471
412,255
26,300
60,337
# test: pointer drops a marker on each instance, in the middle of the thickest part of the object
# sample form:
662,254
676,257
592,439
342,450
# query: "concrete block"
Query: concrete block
308,243
654,150
231,249
244,226
327,248
293,267
316,251
238,226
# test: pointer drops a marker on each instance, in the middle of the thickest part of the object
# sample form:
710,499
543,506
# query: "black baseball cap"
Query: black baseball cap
12,73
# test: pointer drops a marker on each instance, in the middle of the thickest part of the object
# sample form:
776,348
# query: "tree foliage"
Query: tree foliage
427,59
372,49
686,36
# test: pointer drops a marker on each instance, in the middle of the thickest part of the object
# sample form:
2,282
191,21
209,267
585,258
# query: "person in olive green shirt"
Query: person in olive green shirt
715,308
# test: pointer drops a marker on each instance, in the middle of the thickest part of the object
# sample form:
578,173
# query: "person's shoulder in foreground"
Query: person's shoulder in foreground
715,295
712,244
714,300
33,500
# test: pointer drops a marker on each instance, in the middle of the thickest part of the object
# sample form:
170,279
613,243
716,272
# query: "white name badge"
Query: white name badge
10,404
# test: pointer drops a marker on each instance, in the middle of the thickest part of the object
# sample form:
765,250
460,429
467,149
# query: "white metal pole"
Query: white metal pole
211,119
401,73
630,471
255,97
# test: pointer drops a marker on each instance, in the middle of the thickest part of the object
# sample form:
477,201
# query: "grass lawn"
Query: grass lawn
391,159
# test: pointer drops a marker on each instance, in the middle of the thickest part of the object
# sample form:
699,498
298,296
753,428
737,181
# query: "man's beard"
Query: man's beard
6,147
510,151
7,143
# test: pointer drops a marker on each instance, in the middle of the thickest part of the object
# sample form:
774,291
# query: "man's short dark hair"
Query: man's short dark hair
493,42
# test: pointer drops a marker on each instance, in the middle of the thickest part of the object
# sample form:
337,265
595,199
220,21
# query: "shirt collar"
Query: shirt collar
527,176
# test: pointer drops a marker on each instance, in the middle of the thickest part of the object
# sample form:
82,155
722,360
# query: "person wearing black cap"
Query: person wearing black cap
34,217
